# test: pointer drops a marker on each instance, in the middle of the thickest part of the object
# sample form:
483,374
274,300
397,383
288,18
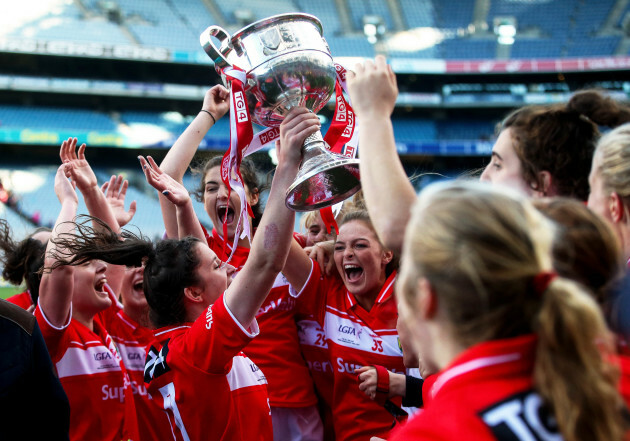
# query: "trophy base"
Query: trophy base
325,184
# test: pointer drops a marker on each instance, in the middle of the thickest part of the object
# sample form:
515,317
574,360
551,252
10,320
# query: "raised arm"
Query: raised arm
55,290
216,103
82,174
176,195
275,232
388,193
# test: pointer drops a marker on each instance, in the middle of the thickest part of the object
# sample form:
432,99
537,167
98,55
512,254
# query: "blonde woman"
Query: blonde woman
521,352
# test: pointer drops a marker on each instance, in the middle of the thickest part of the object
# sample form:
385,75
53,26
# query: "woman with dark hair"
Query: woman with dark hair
23,261
547,150
85,357
205,317
276,350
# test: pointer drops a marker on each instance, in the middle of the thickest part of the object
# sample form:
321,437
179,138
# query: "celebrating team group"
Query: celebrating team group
508,294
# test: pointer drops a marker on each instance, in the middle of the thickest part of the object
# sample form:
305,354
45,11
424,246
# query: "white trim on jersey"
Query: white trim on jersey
357,335
87,361
469,366
170,329
244,373
48,321
168,396
251,331
292,291
386,291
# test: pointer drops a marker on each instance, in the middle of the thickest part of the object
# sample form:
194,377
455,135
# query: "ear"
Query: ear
616,208
253,196
427,302
193,294
548,187
387,257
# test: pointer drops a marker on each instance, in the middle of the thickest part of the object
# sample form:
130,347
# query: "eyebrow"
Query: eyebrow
212,182
497,155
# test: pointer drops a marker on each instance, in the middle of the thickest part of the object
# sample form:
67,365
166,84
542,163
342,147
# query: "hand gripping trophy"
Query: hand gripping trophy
274,65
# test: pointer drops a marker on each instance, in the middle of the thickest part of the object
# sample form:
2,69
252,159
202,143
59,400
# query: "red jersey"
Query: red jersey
132,341
215,243
276,349
355,338
210,389
94,378
485,394
23,300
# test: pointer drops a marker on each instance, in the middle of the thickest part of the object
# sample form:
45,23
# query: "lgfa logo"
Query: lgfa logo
239,104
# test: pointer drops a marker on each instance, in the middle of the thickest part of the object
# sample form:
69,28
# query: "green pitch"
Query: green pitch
8,291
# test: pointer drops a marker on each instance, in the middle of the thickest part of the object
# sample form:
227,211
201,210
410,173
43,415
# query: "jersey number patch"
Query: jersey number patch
521,417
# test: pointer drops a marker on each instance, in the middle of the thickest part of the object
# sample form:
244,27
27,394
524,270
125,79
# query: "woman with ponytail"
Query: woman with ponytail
522,353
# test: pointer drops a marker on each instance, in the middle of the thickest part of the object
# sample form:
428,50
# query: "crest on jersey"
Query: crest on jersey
155,364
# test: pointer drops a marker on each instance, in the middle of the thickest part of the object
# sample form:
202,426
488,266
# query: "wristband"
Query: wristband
211,116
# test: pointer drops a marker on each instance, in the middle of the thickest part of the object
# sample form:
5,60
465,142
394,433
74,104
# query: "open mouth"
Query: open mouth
99,286
353,272
225,214
138,286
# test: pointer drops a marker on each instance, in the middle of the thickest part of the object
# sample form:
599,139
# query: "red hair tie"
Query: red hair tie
542,280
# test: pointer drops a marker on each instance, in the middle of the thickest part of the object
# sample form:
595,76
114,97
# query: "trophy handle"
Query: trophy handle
213,52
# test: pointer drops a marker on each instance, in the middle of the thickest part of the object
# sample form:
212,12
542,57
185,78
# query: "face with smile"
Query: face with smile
217,204
89,295
360,259
134,301
213,275
505,166
316,231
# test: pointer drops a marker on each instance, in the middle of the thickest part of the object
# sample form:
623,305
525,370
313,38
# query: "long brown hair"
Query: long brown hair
170,265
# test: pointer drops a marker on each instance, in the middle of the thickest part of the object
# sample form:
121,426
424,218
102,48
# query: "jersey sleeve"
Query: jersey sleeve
215,337
55,337
311,300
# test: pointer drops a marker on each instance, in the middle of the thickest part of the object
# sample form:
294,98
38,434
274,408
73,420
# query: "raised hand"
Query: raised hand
64,189
296,127
169,187
372,88
217,101
115,191
79,168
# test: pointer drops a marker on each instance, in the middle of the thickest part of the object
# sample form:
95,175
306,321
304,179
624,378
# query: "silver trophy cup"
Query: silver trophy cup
288,64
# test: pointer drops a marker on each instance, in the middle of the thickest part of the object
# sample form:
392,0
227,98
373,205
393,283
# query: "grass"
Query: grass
8,291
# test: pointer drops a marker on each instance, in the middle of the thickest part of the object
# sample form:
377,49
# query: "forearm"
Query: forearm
388,193
178,160
187,222
182,152
55,291
98,207
272,246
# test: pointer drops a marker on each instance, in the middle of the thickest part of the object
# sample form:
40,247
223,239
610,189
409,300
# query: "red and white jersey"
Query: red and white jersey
23,300
276,349
485,394
215,243
314,347
355,338
94,379
132,341
210,389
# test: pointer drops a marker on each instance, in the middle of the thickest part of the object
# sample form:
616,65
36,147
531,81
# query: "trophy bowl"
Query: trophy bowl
288,63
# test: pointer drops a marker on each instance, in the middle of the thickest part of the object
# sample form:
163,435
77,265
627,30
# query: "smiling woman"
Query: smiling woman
356,310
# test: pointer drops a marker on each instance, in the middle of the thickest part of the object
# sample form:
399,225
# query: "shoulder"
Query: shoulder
18,316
